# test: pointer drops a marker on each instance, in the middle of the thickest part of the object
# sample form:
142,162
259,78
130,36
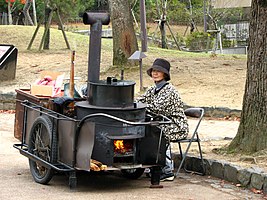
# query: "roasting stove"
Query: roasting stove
116,143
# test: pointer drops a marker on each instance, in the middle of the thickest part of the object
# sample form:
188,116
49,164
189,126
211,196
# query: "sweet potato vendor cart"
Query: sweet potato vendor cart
106,130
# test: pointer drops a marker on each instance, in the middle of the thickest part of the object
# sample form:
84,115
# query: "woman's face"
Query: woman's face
156,75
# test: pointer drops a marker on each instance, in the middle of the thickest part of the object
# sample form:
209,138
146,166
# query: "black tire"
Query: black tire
133,173
40,144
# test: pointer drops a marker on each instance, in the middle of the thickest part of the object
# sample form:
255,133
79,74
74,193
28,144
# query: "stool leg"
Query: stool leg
155,177
182,159
201,157
72,180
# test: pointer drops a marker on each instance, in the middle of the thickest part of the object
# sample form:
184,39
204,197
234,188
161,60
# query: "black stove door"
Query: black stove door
151,149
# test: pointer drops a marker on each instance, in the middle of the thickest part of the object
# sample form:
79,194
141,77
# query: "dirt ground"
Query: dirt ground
206,80
17,182
201,79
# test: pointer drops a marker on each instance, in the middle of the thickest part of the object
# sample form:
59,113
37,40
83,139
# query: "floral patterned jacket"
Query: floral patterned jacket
167,102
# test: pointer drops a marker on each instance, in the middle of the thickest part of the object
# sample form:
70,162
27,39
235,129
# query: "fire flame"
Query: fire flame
118,144
123,146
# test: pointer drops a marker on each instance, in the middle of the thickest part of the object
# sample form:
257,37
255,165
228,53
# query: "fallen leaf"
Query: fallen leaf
7,111
255,191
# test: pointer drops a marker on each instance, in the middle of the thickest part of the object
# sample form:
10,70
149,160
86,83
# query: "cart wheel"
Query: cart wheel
132,173
44,146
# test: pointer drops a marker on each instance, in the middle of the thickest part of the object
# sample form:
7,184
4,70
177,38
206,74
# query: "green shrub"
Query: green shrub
226,43
180,39
199,41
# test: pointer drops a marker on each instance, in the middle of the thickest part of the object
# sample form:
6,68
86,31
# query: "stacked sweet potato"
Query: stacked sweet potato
47,80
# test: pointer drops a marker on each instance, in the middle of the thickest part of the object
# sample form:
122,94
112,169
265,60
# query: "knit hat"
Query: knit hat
161,65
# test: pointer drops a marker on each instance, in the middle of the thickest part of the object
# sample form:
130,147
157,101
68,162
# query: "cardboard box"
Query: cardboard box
48,90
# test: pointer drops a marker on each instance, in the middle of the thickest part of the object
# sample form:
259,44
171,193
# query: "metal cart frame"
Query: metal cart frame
70,163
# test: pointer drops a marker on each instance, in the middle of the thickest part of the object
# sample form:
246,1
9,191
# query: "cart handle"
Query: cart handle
152,123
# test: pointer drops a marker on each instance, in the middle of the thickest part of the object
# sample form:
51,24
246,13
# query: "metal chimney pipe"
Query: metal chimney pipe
96,20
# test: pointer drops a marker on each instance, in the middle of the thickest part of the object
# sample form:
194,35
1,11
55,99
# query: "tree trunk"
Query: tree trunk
48,17
9,13
124,38
34,12
162,27
163,34
26,8
252,131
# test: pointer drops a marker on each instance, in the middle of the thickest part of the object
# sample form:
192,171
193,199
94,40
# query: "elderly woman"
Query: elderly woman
164,99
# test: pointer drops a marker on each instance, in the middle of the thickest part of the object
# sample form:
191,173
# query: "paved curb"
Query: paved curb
247,177
7,101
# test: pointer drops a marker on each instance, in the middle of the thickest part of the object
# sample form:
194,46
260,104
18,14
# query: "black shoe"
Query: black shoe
167,177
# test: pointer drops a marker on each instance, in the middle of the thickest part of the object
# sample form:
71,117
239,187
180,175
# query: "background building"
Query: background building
230,3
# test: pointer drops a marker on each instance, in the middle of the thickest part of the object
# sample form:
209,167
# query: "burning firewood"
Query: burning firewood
96,165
